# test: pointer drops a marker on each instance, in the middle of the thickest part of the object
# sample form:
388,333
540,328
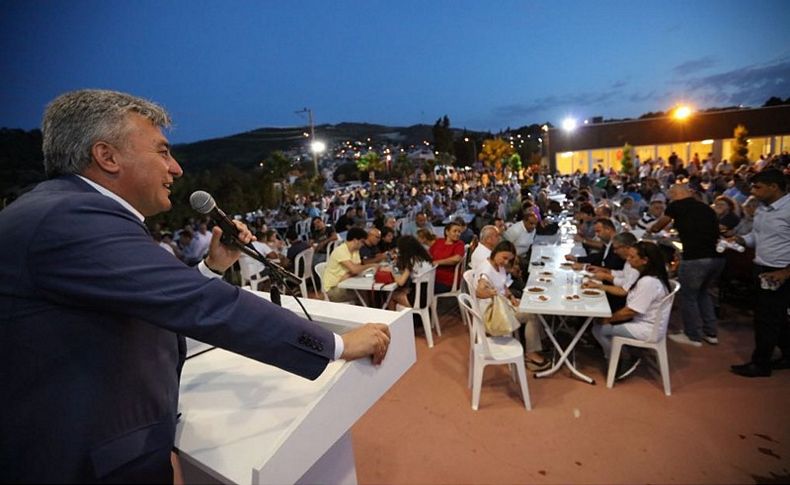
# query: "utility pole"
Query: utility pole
312,137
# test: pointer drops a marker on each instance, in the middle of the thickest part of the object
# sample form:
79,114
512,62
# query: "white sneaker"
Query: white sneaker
682,338
711,340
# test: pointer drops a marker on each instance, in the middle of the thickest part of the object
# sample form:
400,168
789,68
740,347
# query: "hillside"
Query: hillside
247,149
21,158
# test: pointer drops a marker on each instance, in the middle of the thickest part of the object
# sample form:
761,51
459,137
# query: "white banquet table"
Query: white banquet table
365,282
564,281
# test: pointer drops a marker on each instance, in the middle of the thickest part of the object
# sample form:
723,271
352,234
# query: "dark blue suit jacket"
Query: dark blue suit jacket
89,353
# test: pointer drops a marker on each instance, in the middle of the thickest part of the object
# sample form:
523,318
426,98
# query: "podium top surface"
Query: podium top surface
241,418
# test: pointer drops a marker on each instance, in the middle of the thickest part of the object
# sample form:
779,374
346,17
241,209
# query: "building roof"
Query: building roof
774,120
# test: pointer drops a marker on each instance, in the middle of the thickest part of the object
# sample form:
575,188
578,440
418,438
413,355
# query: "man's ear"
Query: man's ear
105,156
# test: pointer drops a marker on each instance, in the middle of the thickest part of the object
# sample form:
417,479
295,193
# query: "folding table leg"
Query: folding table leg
565,353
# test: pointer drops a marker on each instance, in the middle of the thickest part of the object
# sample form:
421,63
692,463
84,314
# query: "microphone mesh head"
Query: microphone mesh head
202,201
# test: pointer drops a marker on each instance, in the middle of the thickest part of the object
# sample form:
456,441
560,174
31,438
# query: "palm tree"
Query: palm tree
371,162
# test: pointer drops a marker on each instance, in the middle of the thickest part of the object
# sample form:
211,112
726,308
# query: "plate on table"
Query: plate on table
537,263
566,265
546,258
544,279
535,289
591,293
572,298
546,273
539,298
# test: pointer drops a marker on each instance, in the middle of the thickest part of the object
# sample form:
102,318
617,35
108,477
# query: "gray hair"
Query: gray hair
625,239
487,231
75,121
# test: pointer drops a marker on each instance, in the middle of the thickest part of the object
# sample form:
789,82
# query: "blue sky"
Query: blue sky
232,66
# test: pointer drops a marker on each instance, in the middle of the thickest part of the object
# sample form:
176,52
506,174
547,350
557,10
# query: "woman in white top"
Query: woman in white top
643,302
491,278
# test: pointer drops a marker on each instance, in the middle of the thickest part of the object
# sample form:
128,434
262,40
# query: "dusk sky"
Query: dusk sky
232,66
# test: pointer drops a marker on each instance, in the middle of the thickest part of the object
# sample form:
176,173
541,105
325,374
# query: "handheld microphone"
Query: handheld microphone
202,202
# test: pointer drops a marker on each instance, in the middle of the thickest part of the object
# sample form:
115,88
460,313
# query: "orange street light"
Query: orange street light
681,112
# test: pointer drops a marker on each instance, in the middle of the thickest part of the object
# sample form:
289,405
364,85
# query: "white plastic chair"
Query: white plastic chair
399,224
657,342
251,272
492,351
303,268
453,293
331,247
424,293
319,270
303,229
466,318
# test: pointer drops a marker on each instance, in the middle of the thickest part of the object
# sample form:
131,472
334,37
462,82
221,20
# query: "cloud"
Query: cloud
749,85
546,103
653,95
695,65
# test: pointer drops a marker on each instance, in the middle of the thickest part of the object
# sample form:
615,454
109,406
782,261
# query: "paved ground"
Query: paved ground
715,428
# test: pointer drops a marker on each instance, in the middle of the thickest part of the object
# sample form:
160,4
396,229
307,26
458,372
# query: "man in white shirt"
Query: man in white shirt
202,240
489,237
521,234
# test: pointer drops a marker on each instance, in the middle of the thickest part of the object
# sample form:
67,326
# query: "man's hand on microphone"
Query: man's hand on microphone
221,257
371,339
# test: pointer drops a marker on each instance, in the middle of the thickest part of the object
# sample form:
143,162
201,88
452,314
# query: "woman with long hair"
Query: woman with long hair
491,279
413,261
643,303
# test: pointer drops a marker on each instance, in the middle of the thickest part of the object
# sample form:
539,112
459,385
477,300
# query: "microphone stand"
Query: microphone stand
275,270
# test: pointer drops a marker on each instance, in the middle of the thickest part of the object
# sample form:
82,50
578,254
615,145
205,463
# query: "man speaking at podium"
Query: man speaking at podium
91,305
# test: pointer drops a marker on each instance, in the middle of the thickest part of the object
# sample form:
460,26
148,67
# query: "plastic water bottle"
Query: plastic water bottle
724,245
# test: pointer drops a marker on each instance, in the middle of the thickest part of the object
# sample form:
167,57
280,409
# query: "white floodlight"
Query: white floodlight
318,146
569,124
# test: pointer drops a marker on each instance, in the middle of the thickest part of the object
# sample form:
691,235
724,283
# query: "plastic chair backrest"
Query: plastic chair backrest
399,224
303,263
469,279
319,270
467,306
478,328
662,323
457,272
331,247
423,295
249,269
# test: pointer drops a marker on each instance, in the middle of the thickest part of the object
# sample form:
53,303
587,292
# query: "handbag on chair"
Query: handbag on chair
500,317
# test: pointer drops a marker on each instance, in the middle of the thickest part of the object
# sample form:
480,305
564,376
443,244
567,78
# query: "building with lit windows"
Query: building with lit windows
588,145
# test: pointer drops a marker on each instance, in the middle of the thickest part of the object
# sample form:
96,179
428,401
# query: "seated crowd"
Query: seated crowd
629,225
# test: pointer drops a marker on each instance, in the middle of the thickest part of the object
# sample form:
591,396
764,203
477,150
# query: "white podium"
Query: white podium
247,422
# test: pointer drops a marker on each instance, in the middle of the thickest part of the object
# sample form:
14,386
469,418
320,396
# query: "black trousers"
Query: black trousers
771,328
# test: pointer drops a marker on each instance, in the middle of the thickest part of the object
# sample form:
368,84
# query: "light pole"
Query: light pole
474,149
544,141
313,142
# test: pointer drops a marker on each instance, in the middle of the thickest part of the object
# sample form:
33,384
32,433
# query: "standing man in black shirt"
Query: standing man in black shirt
700,267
